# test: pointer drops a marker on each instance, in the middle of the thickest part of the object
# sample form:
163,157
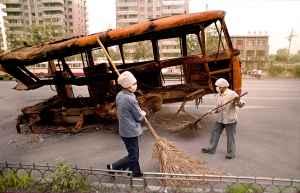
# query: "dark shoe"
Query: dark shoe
204,150
136,175
111,177
229,157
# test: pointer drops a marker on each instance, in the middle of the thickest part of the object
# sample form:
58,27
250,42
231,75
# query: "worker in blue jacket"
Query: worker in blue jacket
130,128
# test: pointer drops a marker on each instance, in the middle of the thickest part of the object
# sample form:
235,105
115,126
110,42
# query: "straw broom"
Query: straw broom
170,158
193,125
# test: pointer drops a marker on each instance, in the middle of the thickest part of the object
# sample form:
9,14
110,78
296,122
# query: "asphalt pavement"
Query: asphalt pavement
267,138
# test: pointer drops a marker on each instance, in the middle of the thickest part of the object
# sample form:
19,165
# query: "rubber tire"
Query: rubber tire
6,77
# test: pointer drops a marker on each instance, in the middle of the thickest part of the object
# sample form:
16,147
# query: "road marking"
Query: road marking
212,106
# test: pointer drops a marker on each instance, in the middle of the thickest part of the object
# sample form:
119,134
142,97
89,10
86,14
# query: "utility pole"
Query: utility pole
290,40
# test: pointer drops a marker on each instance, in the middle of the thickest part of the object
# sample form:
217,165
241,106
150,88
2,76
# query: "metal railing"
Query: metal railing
124,181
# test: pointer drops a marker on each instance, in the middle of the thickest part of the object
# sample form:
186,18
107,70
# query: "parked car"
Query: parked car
5,76
172,74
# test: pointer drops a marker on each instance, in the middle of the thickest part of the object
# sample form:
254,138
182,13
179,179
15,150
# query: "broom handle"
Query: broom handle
116,70
108,57
198,119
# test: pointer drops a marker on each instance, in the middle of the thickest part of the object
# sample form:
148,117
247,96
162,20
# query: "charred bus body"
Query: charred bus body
200,71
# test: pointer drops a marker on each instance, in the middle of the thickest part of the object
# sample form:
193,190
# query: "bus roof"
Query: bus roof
166,27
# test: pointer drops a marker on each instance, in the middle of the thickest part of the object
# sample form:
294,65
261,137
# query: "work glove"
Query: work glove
143,113
237,100
210,112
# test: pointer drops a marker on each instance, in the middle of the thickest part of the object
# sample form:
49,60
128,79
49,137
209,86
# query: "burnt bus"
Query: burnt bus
199,70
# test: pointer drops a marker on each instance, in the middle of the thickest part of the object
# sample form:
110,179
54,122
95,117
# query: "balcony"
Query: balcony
14,32
11,10
13,17
127,4
54,16
13,24
57,8
10,2
128,20
127,12
171,51
173,2
173,10
53,1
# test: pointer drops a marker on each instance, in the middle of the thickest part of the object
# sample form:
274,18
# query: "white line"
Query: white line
211,106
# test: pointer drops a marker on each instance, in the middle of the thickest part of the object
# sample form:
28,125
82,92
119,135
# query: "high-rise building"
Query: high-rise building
21,14
129,12
2,32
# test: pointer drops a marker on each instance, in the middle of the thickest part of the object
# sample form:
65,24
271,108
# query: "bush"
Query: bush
66,180
243,188
11,181
275,70
297,71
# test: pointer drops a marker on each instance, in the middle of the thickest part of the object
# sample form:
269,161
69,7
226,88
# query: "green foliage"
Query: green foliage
243,188
15,41
281,58
11,181
67,180
295,58
45,33
275,70
297,71
142,50
282,51
192,44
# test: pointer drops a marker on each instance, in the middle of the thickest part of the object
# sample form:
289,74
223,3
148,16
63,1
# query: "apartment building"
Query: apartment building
253,48
70,14
2,32
130,12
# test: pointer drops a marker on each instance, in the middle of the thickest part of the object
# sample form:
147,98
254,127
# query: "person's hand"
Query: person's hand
143,113
237,100
210,112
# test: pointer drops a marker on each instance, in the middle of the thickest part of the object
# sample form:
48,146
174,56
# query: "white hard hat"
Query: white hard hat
126,79
222,83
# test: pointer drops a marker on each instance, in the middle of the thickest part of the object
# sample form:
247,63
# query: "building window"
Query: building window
69,9
157,16
39,6
70,17
241,53
41,22
150,8
26,21
40,14
157,8
250,53
33,21
250,43
142,8
69,2
239,42
26,14
158,1
32,6
70,23
261,42
25,6
142,1
32,14
260,53
142,17
150,1
150,17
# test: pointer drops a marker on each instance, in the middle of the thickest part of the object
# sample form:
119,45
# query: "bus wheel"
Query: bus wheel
6,77
42,75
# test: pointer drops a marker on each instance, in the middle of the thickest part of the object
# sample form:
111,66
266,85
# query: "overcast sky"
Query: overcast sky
276,17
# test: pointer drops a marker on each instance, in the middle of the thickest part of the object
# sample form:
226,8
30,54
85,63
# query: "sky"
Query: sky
276,17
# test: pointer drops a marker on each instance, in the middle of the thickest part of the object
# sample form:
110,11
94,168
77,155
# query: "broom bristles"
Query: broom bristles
173,160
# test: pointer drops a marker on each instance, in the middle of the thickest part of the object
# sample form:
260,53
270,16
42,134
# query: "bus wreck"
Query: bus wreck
200,71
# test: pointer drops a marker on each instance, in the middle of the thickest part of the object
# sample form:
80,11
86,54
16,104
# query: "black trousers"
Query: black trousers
131,161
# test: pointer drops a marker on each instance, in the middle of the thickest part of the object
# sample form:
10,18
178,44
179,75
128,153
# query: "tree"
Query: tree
45,33
295,58
15,40
282,51
192,44
142,50
283,59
